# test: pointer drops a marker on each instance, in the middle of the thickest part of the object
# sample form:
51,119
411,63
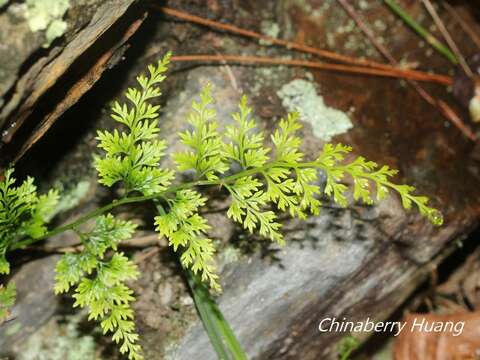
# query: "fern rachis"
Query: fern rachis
276,177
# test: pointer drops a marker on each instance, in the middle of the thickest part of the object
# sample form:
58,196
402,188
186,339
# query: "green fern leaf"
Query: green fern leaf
23,214
133,156
307,190
71,268
247,208
108,233
100,282
269,180
245,146
185,229
206,154
286,142
364,173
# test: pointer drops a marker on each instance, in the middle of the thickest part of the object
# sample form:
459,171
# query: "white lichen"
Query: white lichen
46,15
300,95
229,255
380,25
363,5
269,28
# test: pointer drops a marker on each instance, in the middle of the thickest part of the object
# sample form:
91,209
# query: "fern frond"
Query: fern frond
108,233
185,230
328,158
365,173
246,145
286,141
133,156
23,214
247,208
291,187
269,180
99,283
205,156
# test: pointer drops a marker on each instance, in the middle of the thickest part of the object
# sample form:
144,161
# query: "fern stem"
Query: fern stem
136,199
108,207
188,185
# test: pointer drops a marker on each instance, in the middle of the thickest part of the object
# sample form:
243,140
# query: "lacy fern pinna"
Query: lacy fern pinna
264,179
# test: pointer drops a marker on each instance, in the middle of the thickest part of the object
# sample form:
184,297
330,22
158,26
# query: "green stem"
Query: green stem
135,199
421,31
222,182
108,207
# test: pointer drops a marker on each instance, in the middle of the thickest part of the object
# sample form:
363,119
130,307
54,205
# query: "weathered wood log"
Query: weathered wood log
38,83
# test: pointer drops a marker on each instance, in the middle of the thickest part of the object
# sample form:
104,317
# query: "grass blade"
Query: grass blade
217,327
420,30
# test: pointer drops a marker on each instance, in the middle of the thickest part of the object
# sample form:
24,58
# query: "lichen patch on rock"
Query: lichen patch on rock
300,95
47,15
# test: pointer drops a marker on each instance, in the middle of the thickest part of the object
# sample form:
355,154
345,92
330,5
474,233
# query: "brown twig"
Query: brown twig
147,254
451,115
444,108
446,35
149,241
397,73
287,44
137,242
473,35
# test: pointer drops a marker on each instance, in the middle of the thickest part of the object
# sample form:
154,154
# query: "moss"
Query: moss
46,15
300,95
14,329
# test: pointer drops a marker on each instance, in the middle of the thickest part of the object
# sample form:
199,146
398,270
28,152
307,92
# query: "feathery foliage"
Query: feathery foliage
290,186
133,156
185,228
23,214
261,182
205,145
269,178
100,281
246,145
364,173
